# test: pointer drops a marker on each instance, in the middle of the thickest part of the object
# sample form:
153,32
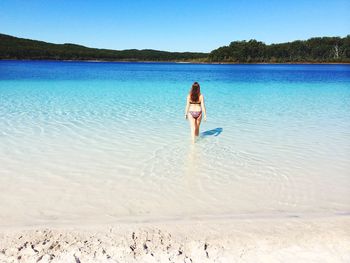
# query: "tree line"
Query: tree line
313,50
20,48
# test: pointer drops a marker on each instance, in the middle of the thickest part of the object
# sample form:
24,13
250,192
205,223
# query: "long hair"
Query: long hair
195,92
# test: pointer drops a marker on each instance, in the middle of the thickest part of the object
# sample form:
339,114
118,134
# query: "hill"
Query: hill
20,48
313,50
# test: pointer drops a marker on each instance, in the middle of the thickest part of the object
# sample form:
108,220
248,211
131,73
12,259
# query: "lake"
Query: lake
87,142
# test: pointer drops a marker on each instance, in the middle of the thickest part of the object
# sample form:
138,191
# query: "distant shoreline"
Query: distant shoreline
183,62
319,50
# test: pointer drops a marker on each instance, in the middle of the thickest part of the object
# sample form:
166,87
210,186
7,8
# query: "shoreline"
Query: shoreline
241,240
183,62
153,220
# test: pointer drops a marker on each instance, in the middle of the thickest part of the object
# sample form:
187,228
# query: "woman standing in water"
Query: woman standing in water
195,106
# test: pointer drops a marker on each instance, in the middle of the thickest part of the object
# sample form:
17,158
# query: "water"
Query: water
105,142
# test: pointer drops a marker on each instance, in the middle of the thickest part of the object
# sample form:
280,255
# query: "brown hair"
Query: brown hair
195,92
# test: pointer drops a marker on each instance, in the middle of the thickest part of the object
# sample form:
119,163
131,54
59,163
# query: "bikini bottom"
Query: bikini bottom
196,114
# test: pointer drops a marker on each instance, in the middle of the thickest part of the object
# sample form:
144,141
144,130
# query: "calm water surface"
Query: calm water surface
101,142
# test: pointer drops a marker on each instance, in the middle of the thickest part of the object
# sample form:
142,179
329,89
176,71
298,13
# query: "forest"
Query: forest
313,50
20,48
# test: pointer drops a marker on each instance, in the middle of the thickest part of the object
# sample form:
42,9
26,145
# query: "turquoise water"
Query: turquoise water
87,142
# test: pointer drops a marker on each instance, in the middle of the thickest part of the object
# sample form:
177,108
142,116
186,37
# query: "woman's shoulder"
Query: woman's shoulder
201,97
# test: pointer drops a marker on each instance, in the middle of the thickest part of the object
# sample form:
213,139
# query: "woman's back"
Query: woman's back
195,105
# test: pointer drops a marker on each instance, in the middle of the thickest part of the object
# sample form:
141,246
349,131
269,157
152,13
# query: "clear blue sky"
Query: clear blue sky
174,25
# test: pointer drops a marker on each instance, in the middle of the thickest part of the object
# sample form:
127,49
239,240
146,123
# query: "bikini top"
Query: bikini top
192,102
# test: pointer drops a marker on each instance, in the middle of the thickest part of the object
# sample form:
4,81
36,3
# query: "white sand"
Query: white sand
324,239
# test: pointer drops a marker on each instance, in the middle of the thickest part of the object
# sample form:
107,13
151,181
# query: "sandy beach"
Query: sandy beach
219,240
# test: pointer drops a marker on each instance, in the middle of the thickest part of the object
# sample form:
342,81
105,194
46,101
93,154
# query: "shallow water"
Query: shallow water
100,142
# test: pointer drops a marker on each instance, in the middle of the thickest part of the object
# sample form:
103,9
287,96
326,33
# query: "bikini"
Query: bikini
195,114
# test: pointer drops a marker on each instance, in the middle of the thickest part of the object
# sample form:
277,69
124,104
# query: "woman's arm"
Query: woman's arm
203,108
187,106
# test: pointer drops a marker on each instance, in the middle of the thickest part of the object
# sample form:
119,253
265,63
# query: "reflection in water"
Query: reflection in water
192,170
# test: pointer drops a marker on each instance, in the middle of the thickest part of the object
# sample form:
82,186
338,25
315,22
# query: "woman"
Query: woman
195,106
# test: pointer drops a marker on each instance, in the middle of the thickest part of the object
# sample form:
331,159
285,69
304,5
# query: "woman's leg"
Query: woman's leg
197,124
193,126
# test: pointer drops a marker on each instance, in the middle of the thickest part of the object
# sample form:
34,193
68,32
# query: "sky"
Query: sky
172,25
